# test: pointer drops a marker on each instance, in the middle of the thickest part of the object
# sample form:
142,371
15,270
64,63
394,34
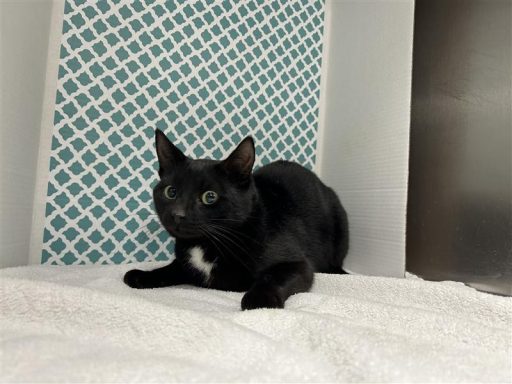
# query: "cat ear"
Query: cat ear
168,155
241,160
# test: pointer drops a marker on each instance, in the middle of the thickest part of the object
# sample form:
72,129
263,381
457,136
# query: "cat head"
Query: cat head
194,196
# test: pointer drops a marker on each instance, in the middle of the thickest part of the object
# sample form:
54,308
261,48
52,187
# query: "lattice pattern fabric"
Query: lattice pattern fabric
207,73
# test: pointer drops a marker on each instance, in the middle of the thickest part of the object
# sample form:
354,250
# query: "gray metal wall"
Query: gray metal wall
459,223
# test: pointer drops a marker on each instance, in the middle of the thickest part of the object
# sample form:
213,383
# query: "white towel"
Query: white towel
82,324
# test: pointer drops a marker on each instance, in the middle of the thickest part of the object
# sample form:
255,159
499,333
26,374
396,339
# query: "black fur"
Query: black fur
267,233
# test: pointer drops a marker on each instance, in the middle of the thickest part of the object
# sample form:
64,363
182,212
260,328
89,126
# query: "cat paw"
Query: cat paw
134,278
262,298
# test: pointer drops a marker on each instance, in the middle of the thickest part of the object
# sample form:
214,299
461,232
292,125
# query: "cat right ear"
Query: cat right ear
168,155
240,162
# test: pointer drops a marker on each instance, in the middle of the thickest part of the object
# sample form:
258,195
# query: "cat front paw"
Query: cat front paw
262,298
135,278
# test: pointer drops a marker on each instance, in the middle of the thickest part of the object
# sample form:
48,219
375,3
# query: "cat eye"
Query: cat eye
170,192
209,197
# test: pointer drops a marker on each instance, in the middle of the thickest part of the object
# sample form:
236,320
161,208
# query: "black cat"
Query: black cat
265,232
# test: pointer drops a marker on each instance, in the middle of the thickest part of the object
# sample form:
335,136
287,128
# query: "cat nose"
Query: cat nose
178,216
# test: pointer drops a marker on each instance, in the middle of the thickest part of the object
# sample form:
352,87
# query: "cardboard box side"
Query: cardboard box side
366,133
24,31
46,130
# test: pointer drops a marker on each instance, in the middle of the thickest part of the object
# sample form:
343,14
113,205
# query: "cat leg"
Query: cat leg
172,274
277,283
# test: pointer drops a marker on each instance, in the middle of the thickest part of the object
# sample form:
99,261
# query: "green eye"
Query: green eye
209,197
170,192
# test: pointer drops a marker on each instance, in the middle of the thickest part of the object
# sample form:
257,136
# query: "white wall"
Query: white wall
24,33
365,133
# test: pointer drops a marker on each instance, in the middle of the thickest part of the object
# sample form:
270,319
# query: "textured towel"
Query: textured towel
82,324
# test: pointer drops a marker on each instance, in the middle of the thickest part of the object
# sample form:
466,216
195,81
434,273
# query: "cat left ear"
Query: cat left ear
241,160
168,154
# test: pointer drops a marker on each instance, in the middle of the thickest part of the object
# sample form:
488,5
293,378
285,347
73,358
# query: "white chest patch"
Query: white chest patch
198,262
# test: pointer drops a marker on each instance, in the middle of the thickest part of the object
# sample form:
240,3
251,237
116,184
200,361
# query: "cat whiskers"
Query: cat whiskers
221,238
212,238
235,237
236,234
231,237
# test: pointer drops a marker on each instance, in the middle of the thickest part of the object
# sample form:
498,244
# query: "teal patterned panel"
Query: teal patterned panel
207,73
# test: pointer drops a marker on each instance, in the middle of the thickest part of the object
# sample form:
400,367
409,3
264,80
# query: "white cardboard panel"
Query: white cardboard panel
46,129
366,127
24,30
